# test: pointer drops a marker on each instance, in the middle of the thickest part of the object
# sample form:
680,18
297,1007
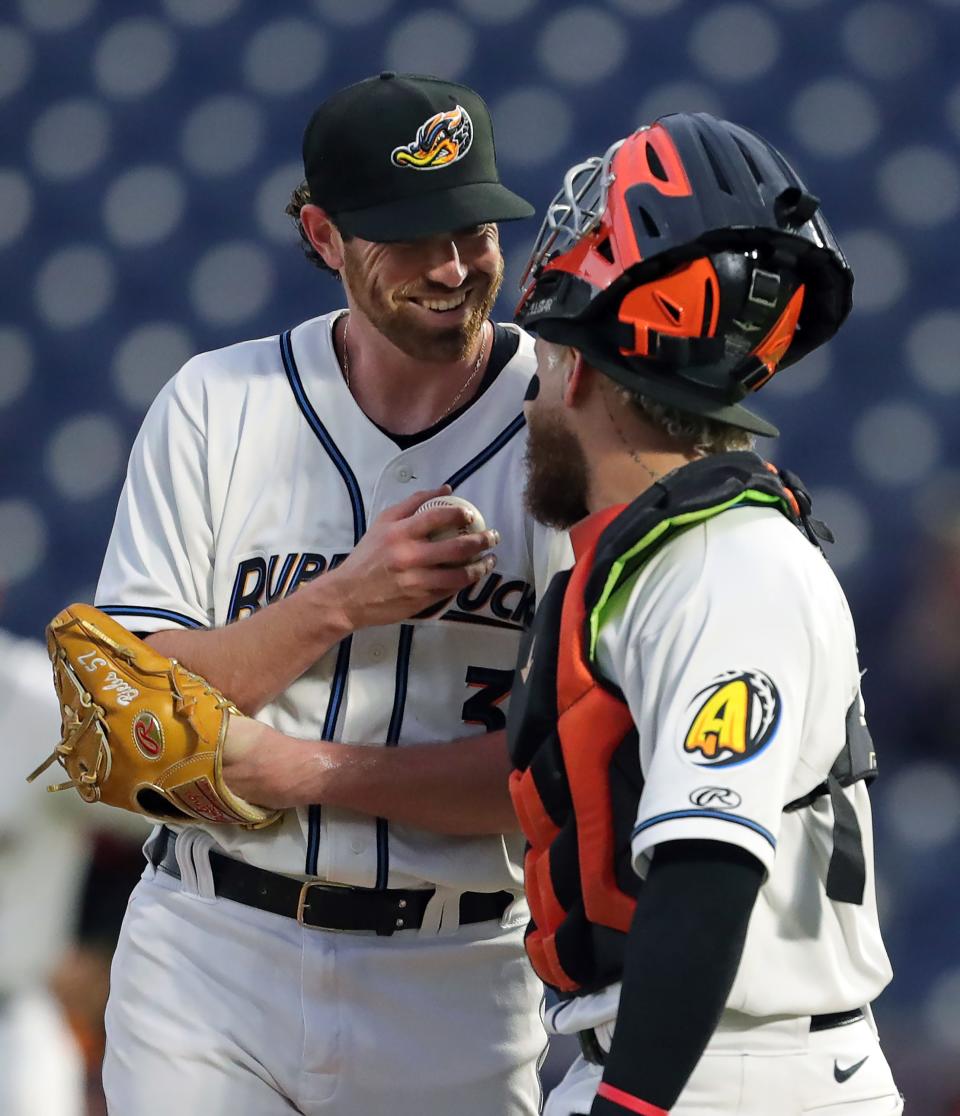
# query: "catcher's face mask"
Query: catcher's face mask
687,262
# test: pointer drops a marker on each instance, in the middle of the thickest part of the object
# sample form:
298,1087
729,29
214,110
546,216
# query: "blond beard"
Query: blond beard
443,346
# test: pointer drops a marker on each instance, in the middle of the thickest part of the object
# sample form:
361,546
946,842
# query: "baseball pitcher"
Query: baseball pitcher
331,920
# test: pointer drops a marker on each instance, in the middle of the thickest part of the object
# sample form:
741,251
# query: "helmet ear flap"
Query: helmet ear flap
709,312
684,303
773,347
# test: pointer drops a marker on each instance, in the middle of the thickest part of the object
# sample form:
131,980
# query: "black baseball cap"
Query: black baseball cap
402,156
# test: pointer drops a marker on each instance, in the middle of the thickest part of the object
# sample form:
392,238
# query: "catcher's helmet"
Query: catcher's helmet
689,263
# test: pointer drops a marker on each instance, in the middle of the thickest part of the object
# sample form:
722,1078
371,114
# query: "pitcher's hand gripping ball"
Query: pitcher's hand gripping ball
138,730
473,527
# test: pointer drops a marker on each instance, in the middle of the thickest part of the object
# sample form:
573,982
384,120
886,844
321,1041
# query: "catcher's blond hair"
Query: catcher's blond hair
704,435
701,434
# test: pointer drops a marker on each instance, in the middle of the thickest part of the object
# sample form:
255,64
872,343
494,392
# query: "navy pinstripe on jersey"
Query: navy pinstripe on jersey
306,407
403,659
342,668
393,737
485,454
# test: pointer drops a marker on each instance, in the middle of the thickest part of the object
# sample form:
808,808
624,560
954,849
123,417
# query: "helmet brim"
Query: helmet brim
662,387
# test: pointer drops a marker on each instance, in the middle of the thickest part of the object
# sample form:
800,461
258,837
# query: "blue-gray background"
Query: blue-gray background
148,149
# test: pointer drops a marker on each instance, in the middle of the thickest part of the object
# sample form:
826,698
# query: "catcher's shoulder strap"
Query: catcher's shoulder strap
575,786
857,762
698,491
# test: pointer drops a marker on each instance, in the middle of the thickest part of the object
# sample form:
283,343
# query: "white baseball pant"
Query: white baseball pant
217,1007
757,1068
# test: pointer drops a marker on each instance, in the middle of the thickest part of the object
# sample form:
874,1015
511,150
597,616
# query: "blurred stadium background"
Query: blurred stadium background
149,148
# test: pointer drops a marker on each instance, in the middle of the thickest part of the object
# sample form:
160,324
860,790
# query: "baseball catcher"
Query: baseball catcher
687,730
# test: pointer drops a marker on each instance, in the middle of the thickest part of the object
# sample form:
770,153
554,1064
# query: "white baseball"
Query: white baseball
454,502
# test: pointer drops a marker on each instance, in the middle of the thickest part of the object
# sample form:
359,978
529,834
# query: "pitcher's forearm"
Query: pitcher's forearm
394,572
254,660
457,788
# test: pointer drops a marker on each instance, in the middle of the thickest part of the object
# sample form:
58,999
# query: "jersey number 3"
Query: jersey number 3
492,687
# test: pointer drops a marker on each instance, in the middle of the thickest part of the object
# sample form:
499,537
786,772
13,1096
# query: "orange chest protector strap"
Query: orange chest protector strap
565,730
592,724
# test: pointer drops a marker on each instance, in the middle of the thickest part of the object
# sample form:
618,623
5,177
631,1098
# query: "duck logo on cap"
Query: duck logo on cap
443,139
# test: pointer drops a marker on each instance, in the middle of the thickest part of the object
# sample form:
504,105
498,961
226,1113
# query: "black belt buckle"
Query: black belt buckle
590,1047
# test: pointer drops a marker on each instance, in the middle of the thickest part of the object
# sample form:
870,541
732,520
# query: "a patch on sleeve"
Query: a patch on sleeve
733,719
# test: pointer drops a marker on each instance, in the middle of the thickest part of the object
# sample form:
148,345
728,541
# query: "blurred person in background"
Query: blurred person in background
42,866
923,651
45,851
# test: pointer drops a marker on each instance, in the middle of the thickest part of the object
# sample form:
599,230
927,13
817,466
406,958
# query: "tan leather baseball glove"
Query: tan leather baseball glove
138,730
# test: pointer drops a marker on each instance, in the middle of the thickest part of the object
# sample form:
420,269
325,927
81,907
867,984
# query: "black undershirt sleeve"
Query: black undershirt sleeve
683,952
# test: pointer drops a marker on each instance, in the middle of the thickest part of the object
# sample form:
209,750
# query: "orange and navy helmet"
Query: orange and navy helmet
689,263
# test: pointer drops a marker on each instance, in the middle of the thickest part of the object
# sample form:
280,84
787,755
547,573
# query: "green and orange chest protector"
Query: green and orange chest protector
574,747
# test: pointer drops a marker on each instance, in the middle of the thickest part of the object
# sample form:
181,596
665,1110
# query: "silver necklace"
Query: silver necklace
466,383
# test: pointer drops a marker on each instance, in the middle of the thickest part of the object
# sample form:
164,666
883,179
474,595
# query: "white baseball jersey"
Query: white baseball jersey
254,471
736,652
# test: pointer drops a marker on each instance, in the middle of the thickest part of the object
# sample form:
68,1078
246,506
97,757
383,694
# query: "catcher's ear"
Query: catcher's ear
576,374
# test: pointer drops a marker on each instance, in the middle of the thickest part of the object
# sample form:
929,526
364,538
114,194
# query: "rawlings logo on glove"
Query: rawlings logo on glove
139,731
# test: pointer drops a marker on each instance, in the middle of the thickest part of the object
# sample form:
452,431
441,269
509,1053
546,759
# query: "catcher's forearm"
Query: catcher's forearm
456,788
256,659
682,955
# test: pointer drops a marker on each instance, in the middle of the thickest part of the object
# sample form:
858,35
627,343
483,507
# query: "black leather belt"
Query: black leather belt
321,905
835,1019
594,1053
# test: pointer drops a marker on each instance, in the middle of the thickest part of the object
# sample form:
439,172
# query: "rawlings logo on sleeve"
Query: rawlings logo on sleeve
715,798
733,719
443,139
